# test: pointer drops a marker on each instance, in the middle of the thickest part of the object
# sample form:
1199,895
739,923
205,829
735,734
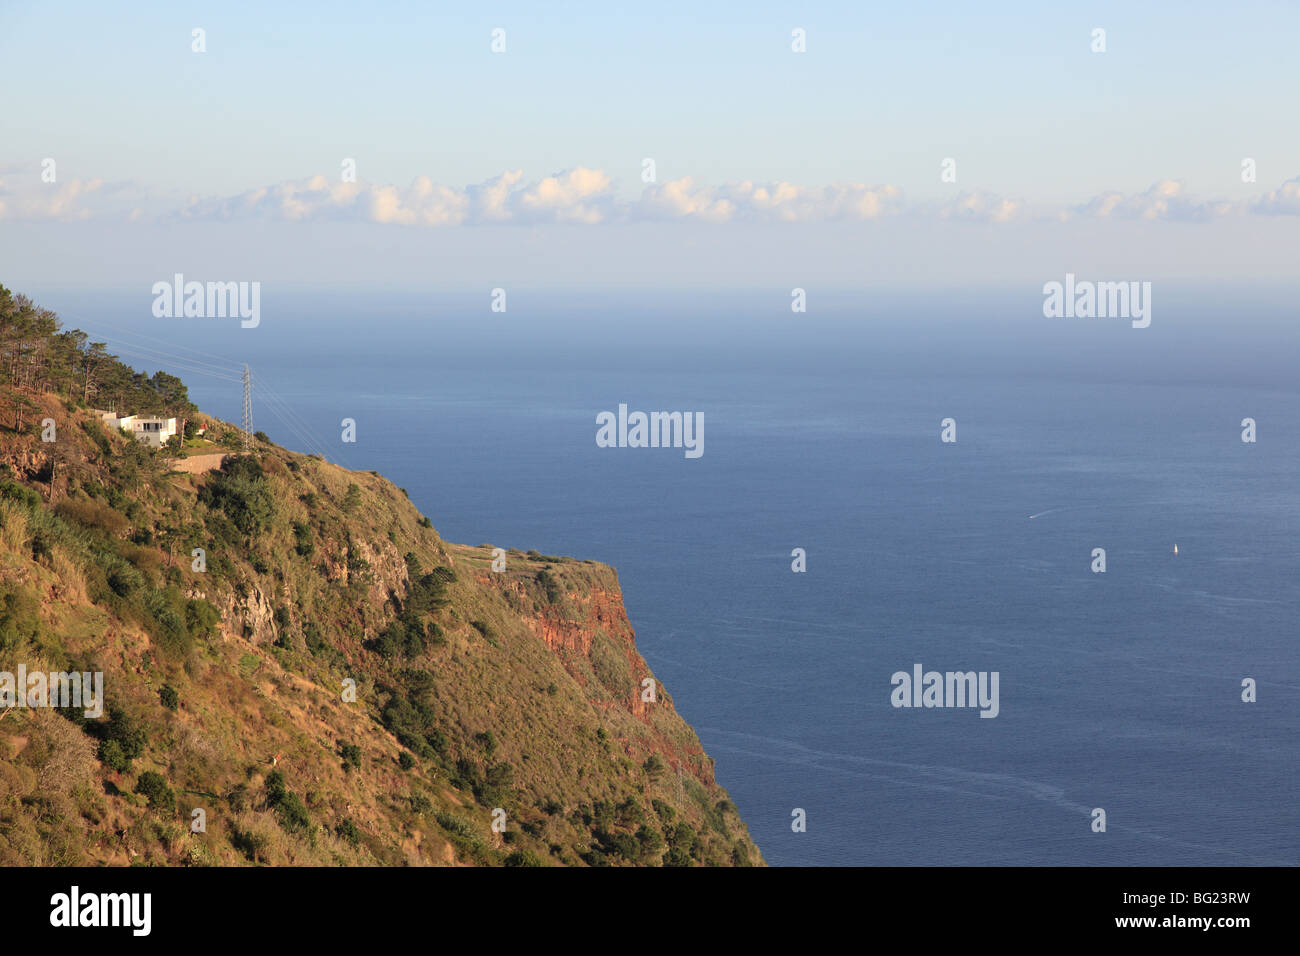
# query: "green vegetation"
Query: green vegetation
351,754
39,357
291,810
293,648
155,789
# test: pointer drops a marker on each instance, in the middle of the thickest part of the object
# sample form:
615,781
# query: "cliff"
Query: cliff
292,650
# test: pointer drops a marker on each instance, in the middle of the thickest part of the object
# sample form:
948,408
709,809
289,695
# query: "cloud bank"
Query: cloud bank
1167,199
67,201
588,197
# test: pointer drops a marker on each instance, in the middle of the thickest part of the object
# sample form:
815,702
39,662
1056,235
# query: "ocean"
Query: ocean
1119,690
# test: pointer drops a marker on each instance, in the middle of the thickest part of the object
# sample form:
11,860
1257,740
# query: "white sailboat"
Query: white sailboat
1175,549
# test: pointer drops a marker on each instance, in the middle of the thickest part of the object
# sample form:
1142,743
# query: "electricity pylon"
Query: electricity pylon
248,409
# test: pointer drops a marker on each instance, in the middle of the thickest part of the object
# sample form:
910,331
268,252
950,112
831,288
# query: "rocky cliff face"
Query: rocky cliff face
338,685
600,614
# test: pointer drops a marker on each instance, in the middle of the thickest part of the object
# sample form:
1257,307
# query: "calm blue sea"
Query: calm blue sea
1119,690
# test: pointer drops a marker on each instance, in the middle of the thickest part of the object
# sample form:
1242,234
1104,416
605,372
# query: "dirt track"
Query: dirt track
197,464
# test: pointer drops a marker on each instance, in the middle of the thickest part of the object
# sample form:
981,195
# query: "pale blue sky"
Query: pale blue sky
711,91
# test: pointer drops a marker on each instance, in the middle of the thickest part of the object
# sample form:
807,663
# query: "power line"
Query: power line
286,413
223,365
157,355
160,351
161,358
137,356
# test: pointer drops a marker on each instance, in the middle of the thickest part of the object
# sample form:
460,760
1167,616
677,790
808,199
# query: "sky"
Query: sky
529,164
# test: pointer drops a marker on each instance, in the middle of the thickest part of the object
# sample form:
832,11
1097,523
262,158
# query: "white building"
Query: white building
152,431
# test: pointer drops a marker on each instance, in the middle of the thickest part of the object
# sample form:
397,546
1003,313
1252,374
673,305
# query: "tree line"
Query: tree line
38,355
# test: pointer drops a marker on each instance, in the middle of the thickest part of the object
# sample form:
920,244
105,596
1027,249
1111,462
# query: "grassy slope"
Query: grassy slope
522,691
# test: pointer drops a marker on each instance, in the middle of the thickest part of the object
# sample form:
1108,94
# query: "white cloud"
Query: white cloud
23,196
585,196
682,199
1283,201
982,206
786,202
1166,199
770,202
578,195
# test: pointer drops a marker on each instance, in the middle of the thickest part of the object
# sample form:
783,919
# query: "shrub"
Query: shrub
201,618
351,754
290,809
650,840
413,724
454,825
238,798
275,787
420,804
405,760
618,844
411,633
112,757
92,514
407,636
496,785
13,491
154,787
554,593
249,842
311,634
169,697
522,858
20,619
129,736
303,542
98,435
293,813
347,830
241,492
683,845
611,667
123,578
167,608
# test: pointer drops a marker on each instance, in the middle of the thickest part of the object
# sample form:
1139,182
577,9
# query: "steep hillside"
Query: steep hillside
515,696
